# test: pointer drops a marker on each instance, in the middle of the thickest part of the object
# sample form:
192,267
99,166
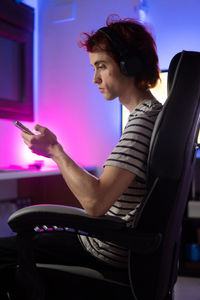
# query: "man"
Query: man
125,66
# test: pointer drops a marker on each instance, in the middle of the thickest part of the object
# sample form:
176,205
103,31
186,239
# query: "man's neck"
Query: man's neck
132,100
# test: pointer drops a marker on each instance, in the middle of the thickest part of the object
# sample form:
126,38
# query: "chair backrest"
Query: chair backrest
170,168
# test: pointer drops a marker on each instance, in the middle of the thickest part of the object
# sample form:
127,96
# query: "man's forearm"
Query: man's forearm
83,185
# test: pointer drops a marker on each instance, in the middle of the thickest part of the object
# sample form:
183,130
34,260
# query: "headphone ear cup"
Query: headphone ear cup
131,66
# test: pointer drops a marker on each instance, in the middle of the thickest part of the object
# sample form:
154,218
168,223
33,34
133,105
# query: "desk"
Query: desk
9,180
45,186
42,186
29,173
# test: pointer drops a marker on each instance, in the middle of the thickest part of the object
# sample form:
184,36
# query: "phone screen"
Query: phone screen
22,127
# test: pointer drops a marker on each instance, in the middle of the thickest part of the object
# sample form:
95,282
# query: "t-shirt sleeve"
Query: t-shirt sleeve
132,150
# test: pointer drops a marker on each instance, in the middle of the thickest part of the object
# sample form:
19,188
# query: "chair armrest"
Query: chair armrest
108,228
27,218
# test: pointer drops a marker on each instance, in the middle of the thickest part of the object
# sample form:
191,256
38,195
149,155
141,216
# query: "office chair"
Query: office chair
154,238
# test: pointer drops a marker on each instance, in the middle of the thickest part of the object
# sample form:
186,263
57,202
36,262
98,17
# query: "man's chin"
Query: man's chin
109,98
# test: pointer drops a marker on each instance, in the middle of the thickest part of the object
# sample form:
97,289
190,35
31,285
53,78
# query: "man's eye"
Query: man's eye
101,67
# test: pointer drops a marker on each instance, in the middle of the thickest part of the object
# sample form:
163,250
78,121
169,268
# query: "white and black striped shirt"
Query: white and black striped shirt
131,154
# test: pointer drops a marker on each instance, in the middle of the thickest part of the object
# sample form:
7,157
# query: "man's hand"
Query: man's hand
41,144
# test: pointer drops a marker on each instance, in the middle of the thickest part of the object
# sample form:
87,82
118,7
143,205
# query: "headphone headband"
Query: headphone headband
129,62
118,44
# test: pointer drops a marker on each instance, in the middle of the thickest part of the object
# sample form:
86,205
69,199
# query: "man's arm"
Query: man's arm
96,195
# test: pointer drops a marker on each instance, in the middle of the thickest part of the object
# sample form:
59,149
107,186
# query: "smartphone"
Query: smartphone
22,127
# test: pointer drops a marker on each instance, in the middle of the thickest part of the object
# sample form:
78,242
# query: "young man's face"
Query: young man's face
111,82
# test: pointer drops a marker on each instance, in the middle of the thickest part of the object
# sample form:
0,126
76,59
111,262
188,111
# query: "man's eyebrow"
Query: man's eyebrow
99,62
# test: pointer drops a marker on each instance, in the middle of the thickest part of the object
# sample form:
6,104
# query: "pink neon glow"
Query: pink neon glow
67,102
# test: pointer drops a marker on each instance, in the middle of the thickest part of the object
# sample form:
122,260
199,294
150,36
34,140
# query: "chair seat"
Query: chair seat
120,277
82,283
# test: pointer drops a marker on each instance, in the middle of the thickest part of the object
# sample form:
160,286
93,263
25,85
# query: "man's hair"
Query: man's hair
137,38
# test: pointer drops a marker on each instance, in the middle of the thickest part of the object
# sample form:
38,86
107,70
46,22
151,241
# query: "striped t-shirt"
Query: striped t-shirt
131,154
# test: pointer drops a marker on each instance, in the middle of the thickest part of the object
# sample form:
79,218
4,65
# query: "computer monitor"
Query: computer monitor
16,61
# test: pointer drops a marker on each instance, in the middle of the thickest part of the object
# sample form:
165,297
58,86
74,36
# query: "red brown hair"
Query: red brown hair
137,37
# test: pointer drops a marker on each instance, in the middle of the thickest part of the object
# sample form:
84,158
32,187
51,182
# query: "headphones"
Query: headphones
129,62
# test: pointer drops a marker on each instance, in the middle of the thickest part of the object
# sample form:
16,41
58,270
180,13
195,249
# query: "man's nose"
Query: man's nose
96,78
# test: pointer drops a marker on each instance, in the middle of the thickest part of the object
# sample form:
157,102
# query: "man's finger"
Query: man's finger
26,136
39,128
